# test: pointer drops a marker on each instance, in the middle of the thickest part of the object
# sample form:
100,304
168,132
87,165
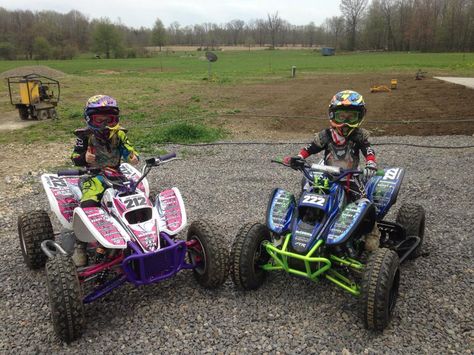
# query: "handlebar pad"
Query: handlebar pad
70,172
167,156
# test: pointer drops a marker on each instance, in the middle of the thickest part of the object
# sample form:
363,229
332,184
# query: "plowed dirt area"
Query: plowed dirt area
285,109
292,108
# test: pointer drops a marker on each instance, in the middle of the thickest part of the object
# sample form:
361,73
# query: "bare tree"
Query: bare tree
352,10
335,27
275,24
310,34
235,27
388,8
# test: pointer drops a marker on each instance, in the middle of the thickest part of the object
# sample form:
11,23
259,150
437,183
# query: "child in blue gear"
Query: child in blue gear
342,144
102,144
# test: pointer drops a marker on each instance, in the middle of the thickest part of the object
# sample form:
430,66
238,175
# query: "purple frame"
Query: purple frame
141,268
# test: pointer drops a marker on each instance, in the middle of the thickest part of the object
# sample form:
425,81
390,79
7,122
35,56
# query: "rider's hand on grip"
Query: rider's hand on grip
370,170
294,162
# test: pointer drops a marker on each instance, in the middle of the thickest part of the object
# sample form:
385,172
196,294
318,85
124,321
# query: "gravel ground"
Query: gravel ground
229,185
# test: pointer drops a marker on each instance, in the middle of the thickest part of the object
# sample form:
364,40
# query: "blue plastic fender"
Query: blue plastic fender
383,190
280,210
349,220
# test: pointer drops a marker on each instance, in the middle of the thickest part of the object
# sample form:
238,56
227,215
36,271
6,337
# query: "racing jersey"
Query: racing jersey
108,153
341,151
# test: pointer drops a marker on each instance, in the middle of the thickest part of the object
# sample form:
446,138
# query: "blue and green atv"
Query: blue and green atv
323,233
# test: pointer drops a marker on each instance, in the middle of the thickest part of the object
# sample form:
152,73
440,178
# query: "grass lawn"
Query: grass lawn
161,99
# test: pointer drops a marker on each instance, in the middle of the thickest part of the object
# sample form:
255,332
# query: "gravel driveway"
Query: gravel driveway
230,186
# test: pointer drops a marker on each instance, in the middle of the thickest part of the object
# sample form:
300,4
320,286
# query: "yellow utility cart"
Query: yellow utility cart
35,96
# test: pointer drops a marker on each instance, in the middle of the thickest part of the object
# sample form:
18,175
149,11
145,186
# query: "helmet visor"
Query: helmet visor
347,117
102,120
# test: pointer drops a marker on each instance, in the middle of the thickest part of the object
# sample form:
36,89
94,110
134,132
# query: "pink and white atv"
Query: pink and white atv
129,238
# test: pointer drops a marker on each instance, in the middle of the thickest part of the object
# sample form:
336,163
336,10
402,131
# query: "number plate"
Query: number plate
314,200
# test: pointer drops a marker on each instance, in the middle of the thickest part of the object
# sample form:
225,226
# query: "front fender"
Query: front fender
383,191
171,211
280,209
357,218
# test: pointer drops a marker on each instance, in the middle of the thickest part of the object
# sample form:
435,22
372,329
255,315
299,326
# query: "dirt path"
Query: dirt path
11,121
468,82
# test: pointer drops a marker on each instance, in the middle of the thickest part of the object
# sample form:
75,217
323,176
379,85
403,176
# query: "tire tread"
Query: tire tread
65,295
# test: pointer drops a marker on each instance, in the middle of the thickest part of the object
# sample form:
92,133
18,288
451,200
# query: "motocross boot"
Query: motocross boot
79,256
372,239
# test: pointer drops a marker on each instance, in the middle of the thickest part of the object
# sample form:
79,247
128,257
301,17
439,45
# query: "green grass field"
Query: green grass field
160,96
233,65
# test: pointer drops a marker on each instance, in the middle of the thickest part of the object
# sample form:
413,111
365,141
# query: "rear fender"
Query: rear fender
62,200
383,191
280,210
357,218
94,224
171,211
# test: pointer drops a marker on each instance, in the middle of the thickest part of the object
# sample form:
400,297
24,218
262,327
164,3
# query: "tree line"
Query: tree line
393,25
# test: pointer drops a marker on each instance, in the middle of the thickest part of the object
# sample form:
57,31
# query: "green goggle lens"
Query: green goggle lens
349,117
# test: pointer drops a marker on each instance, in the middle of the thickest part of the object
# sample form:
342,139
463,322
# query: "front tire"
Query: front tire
248,255
34,228
65,298
208,254
412,217
380,284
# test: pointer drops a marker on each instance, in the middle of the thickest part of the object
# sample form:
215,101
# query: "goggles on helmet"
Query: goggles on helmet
346,117
102,120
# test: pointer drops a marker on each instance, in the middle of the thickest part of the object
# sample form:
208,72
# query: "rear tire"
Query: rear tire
208,254
34,228
65,298
248,255
23,112
42,114
53,114
412,217
380,284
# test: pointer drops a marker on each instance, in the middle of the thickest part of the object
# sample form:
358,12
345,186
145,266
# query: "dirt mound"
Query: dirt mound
37,69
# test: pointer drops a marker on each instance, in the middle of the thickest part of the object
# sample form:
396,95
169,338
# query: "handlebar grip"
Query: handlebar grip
70,172
167,156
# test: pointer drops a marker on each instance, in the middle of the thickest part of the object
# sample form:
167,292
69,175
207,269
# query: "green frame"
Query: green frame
280,257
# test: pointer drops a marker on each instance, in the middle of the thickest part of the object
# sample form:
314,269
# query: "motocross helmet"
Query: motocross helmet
346,111
101,114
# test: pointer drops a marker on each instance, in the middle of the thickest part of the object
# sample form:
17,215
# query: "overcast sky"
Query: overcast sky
136,13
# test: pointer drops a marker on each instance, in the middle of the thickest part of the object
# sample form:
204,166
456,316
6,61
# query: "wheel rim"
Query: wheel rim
198,256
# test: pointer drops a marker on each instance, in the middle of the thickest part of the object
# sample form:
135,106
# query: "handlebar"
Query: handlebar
149,164
70,172
337,173
160,159
78,172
